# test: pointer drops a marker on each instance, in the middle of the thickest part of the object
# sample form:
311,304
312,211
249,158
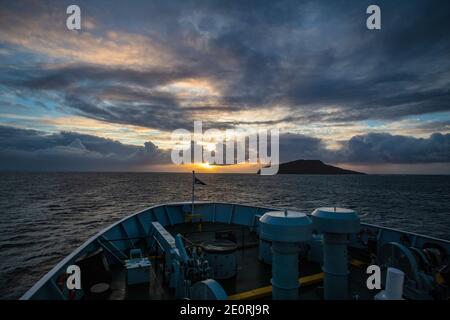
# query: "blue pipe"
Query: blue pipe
285,271
335,266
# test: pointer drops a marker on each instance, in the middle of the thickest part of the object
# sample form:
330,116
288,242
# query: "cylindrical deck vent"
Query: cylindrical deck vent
335,224
221,256
285,230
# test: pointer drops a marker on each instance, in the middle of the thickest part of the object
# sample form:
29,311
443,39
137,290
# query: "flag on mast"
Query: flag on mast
195,181
198,181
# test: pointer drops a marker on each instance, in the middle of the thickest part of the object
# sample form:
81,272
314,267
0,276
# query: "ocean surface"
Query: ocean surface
45,216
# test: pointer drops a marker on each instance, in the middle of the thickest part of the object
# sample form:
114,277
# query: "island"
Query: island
311,167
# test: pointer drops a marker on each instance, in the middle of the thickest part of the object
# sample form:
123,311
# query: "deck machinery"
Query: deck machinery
232,251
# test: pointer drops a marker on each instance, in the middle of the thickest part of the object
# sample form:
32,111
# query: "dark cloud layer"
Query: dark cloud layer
370,148
306,55
69,151
386,148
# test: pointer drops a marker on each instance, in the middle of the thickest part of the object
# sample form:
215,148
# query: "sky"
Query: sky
107,97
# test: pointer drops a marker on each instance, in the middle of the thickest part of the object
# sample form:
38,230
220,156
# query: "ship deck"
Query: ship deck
252,280
102,257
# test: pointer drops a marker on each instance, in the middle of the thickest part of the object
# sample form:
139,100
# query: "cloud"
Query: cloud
386,148
298,146
315,60
39,27
370,148
30,150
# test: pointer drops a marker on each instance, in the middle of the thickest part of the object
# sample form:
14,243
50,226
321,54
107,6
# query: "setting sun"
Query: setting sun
205,165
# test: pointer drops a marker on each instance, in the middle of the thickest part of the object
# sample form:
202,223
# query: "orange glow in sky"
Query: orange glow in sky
207,168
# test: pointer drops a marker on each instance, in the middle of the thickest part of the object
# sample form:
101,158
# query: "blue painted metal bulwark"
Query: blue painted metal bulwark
139,225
